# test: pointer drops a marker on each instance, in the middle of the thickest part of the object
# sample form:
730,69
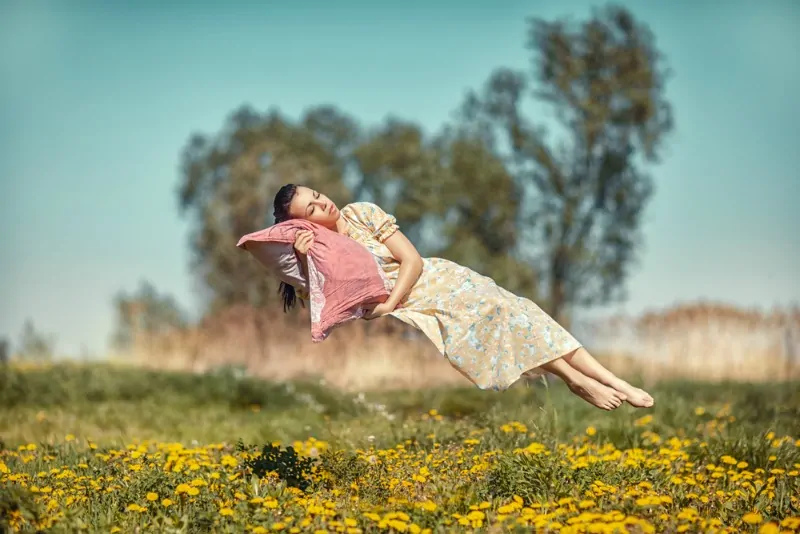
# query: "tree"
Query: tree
145,315
34,345
229,181
451,195
447,184
558,217
586,189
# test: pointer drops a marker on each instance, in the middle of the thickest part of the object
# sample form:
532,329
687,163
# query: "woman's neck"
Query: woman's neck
341,225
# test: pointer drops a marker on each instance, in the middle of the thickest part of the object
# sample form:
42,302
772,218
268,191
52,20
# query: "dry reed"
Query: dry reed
696,341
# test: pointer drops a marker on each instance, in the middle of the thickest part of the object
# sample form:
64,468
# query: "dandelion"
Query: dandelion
752,518
642,421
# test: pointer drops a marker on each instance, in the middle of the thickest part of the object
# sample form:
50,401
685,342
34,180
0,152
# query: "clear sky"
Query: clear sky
97,99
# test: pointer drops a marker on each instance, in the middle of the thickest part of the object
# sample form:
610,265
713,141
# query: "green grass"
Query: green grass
88,420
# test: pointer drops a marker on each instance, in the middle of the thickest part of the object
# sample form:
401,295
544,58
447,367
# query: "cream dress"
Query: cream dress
487,333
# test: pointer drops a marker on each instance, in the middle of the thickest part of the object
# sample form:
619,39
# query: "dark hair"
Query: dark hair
283,199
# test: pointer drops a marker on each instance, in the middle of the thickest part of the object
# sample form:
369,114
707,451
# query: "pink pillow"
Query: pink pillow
343,275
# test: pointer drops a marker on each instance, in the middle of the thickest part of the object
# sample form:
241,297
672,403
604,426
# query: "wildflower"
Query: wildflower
152,496
642,421
752,518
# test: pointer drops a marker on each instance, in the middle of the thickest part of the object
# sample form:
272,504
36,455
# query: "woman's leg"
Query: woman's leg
585,387
584,362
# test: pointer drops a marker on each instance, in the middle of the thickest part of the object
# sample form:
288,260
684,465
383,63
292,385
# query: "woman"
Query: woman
490,335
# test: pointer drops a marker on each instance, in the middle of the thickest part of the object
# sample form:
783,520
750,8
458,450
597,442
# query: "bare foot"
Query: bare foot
597,394
635,396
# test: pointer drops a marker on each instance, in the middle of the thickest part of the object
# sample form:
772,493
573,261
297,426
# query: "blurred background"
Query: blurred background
630,167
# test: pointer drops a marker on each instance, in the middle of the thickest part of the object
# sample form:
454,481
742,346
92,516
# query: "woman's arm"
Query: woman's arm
410,267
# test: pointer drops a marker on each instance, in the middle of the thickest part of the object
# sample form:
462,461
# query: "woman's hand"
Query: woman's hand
303,241
378,310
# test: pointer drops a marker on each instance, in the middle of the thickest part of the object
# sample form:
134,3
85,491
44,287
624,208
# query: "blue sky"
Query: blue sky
97,99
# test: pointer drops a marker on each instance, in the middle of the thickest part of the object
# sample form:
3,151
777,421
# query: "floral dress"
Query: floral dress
487,333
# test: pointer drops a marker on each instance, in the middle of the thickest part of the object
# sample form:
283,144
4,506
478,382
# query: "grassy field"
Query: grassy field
115,449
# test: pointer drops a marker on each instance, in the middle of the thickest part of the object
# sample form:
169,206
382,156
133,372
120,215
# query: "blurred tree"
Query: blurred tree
490,191
585,190
145,315
4,350
451,195
229,182
34,345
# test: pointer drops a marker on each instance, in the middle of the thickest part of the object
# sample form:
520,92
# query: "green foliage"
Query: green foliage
70,385
16,500
294,470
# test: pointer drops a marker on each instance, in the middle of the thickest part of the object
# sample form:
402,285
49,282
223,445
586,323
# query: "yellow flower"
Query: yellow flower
591,431
397,525
226,512
699,410
428,506
752,518
166,502
152,496
769,528
642,421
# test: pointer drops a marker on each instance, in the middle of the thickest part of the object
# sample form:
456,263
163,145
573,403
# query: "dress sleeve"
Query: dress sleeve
380,224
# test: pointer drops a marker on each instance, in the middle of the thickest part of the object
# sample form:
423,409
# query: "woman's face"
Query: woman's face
313,206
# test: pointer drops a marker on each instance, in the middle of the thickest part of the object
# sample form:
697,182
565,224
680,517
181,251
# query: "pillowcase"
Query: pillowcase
343,276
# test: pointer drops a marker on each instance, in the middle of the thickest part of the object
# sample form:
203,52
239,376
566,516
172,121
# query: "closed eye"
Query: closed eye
316,196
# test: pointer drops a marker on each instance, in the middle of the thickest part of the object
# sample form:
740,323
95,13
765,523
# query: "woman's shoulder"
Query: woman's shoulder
361,210
360,206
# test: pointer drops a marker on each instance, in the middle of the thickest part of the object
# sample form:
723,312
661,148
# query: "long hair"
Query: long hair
283,199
